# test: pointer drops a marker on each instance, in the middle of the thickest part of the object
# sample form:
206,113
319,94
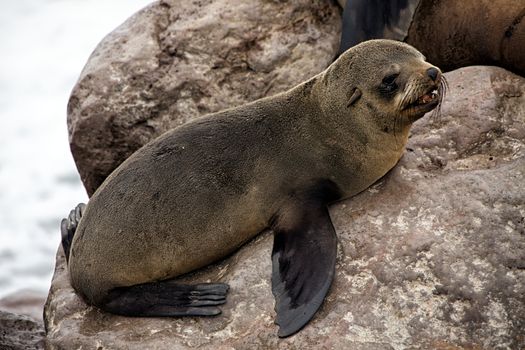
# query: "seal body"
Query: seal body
198,192
450,33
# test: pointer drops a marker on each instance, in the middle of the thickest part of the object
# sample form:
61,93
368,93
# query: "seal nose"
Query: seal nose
432,72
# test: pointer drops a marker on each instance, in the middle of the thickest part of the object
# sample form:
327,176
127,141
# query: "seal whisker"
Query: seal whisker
408,92
395,129
412,93
443,87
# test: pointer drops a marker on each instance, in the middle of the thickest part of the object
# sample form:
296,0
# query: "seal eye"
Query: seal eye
388,85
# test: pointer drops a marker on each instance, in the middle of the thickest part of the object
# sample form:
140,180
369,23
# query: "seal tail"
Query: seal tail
69,225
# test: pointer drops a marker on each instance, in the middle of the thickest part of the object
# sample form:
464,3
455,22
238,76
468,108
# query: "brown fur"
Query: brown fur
453,34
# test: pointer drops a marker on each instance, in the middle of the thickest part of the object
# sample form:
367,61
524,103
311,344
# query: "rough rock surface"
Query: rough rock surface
177,60
430,257
19,332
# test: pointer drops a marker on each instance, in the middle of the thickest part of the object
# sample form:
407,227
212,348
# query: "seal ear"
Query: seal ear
356,95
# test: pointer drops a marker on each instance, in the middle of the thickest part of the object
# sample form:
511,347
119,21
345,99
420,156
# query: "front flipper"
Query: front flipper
303,258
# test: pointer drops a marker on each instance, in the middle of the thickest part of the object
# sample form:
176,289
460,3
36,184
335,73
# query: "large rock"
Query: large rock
430,257
176,60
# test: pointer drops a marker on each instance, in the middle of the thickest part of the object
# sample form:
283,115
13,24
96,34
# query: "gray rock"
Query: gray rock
25,302
177,60
19,332
430,257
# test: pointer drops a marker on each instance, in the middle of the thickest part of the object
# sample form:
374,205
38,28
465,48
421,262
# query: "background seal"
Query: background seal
451,34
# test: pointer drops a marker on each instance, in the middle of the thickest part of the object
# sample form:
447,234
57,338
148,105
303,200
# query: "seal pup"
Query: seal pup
198,192
450,33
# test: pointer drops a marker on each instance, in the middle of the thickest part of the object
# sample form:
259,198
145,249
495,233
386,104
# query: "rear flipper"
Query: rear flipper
69,226
166,299
157,299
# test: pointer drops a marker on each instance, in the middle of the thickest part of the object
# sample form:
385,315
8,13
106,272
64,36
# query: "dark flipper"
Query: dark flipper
303,257
69,226
167,299
376,19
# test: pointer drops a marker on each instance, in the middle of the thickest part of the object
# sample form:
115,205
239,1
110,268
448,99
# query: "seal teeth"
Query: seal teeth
426,98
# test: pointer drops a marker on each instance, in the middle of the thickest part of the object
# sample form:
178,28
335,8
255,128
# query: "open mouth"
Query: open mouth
427,101
427,98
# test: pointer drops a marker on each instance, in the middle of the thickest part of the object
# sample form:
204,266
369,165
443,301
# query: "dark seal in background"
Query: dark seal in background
451,34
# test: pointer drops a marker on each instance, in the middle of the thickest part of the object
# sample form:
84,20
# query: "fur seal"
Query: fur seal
450,33
200,191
